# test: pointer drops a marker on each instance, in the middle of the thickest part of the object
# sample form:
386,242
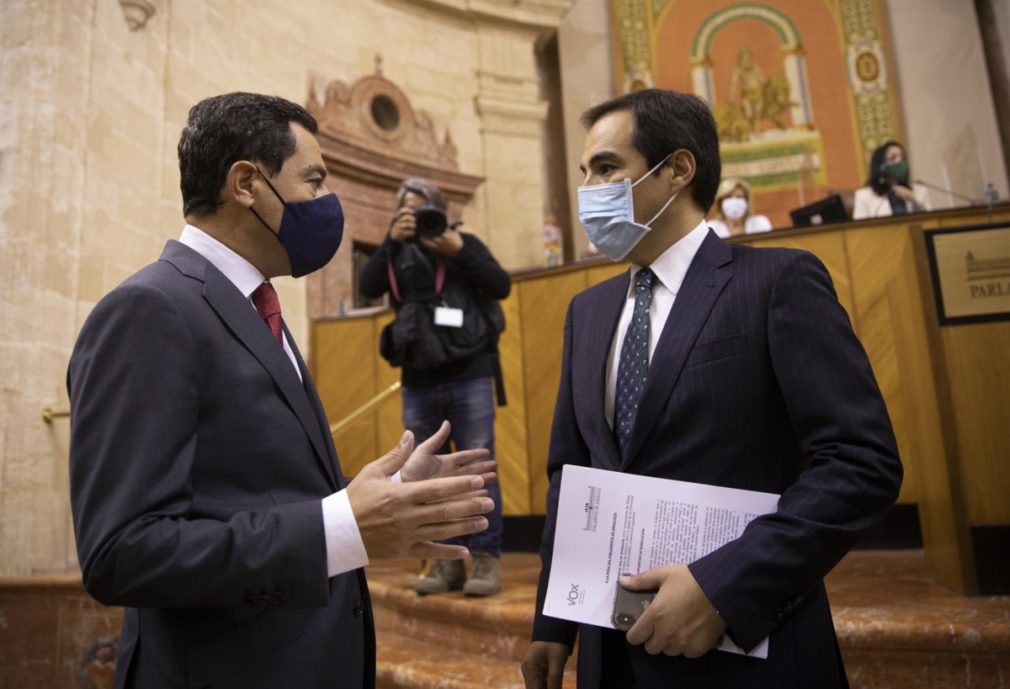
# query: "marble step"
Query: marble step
897,628
450,641
406,662
494,627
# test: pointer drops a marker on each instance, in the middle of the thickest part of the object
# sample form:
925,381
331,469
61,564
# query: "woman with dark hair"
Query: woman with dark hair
887,190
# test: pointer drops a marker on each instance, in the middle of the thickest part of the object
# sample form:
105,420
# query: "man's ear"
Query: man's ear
239,183
684,166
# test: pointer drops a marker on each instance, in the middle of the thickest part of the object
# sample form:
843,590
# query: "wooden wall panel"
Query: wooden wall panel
603,272
510,428
887,301
343,361
356,445
892,328
544,303
970,216
978,366
389,415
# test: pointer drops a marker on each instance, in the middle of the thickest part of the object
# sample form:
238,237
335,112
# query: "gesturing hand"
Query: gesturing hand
680,620
424,464
403,519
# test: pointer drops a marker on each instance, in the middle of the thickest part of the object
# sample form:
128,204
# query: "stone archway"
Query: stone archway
792,56
372,139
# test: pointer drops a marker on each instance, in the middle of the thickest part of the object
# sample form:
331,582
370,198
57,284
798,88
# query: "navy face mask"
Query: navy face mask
310,231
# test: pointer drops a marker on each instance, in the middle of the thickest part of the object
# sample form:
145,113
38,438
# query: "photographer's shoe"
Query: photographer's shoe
444,575
485,579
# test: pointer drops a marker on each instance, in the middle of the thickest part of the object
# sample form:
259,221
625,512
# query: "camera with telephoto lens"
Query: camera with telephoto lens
430,220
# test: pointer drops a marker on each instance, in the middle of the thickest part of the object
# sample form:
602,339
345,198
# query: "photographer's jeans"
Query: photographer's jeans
469,407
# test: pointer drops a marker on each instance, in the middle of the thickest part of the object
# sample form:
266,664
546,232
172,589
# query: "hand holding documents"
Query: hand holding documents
610,523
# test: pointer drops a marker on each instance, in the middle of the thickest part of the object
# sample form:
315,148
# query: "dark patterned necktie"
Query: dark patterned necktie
634,364
269,307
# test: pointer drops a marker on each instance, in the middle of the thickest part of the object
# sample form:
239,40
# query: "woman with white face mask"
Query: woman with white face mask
733,212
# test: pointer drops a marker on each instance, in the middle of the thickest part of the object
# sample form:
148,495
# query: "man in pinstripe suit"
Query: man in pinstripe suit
724,365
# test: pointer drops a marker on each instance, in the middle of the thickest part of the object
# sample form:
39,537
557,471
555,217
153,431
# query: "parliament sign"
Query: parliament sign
970,267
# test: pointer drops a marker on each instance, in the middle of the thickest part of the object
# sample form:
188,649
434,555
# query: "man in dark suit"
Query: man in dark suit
207,496
723,365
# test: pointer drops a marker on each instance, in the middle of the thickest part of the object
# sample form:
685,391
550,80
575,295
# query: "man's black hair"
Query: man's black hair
877,180
235,126
666,121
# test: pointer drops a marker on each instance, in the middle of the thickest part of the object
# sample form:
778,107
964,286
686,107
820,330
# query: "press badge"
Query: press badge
448,317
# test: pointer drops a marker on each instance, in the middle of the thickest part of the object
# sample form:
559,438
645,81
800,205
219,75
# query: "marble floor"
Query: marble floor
896,627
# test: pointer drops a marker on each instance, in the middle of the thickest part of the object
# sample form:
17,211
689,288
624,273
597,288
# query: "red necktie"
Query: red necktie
269,307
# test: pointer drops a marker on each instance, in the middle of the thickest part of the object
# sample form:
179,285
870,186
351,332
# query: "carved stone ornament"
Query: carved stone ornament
137,13
370,132
372,139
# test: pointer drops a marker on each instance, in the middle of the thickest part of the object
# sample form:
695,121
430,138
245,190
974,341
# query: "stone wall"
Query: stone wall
90,114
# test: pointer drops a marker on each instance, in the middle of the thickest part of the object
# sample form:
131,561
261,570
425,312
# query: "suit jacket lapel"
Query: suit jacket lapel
243,320
606,314
708,274
245,323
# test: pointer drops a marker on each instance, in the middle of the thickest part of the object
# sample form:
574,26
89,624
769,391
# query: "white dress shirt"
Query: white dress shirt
670,268
344,548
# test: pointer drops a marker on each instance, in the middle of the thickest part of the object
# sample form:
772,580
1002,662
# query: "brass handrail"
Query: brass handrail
363,409
48,414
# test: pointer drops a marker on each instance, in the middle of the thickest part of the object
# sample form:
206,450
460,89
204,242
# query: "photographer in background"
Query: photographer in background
888,191
445,286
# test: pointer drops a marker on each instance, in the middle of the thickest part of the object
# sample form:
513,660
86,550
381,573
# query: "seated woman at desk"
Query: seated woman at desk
887,191
733,211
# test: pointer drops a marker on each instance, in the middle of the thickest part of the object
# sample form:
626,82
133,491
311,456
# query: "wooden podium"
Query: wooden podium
947,386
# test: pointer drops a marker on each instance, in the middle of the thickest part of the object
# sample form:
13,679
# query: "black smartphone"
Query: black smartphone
629,606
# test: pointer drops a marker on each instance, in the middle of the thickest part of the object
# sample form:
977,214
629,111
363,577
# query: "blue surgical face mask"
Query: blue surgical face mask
607,211
310,231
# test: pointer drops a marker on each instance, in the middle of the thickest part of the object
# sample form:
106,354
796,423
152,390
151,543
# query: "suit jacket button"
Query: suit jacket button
359,609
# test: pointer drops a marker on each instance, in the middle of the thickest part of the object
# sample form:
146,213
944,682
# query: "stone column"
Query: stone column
512,121
81,127
798,93
701,79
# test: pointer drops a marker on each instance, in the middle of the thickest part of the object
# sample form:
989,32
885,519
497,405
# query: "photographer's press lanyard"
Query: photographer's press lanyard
439,278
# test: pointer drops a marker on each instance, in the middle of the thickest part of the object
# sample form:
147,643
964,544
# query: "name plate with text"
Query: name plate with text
970,267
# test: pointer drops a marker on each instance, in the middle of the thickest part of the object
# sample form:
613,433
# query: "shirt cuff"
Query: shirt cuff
345,551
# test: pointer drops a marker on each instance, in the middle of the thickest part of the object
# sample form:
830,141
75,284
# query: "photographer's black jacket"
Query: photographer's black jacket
474,268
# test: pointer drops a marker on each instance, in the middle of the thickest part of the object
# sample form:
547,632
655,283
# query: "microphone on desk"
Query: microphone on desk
991,195
949,192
